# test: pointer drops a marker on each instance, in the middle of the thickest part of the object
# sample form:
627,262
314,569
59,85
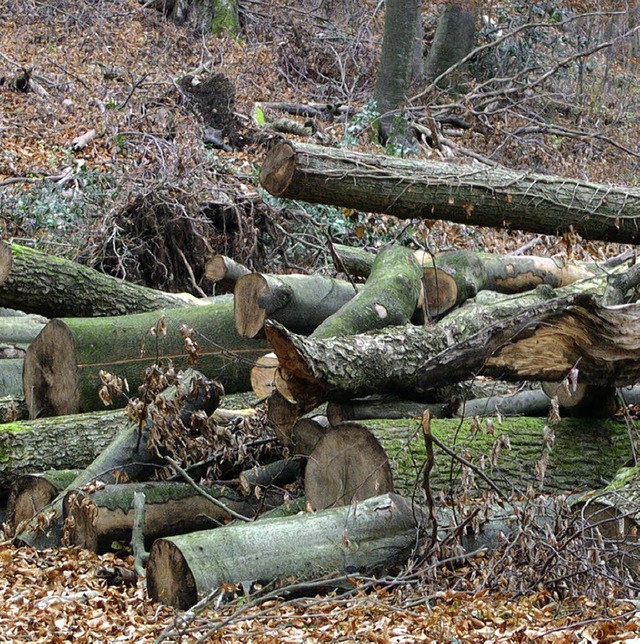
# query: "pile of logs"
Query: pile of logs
395,339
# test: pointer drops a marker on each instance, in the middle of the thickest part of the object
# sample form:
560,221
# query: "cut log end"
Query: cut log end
278,168
83,530
50,377
348,464
249,315
263,375
28,496
6,261
441,291
169,578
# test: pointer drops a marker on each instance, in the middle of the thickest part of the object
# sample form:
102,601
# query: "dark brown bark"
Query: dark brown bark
54,287
407,188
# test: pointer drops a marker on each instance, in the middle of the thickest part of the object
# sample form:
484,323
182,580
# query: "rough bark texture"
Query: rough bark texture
299,302
107,514
55,287
54,443
11,377
585,453
13,408
347,464
407,188
62,365
381,532
542,342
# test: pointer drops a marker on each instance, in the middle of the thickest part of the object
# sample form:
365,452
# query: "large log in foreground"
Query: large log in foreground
38,283
381,531
468,194
62,365
543,342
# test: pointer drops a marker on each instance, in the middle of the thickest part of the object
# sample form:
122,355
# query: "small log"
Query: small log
381,532
531,402
224,271
472,195
275,474
348,464
55,287
54,443
13,408
299,302
107,514
11,377
127,455
33,492
19,331
63,364
585,400
388,407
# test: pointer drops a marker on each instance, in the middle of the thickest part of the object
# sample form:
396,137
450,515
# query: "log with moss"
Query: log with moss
135,452
299,302
54,443
476,195
381,532
62,365
54,287
585,454
106,514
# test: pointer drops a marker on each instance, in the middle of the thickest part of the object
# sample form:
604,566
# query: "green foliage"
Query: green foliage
363,122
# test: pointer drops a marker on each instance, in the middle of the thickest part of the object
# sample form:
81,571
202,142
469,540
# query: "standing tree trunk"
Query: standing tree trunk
401,21
452,41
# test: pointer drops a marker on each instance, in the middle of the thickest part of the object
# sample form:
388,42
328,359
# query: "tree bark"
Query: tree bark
107,514
62,366
127,455
299,302
33,492
11,377
54,443
55,287
585,453
381,532
13,408
274,474
18,332
407,188
543,342
224,271
388,407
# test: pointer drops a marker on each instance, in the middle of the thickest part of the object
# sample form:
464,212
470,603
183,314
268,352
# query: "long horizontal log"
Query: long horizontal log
467,194
107,514
374,533
63,364
38,283
54,443
539,342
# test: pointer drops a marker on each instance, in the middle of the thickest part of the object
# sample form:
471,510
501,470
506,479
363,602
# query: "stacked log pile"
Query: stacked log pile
397,345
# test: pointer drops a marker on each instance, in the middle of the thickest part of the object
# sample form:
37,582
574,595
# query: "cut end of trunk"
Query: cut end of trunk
249,315
307,433
82,530
6,261
28,496
282,414
277,169
169,578
348,464
263,375
50,376
441,291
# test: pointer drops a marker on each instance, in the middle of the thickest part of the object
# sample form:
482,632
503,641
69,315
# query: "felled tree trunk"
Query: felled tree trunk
54,443
127,455
18,332
38,283
585,453
62,365
543,342
407,188
381,532
107,514
299,302
224,271
32,492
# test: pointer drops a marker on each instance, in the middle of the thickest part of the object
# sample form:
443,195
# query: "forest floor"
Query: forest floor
143,185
